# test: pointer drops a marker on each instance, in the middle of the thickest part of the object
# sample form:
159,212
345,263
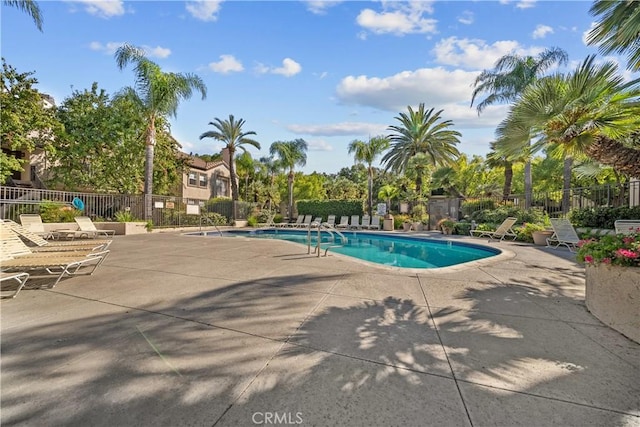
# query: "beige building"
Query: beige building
205,180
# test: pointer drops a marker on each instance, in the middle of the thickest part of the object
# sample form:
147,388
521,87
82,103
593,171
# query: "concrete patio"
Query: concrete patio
180,330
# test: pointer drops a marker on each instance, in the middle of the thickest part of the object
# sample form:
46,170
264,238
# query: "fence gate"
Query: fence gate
442,208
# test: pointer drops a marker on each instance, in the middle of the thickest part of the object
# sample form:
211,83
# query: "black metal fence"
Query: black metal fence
168,211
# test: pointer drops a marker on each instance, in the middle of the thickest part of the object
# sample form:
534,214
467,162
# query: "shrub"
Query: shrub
57,212
400,219
125,216
252,221
278,218
602,217
525,233
324,208
469,208
498,215
462,228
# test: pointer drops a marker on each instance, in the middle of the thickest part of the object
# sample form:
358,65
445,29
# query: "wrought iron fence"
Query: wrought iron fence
168,211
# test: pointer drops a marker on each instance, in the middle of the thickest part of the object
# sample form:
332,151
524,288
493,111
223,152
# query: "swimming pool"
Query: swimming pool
385,249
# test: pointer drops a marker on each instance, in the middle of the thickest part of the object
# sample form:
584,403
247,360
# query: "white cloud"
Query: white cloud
399,18
102,8
319,7
475,53
227,64
289,68
526,4
338,129
436,87
110,48
204,10
319,145
466,17
541,31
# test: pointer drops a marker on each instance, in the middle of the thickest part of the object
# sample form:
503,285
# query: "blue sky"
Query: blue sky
328,72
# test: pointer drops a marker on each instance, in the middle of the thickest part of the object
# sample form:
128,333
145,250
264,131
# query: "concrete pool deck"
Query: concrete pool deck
181,330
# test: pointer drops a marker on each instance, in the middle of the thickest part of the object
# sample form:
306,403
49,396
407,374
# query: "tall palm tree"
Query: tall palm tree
290,154
367,152
246,168
618,30
510,76
158,94
421,131
589,111
497,159
230,133
30,7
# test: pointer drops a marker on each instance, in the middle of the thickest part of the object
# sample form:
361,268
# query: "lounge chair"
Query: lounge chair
344,222
42,245
18,276
563,234
375,223
294,224
16,257
33,223
306,222
627,226
87,226
355,223
331,221
504,230
366,222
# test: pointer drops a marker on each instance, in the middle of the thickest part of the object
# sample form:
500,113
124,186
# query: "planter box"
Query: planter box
540,237
613,296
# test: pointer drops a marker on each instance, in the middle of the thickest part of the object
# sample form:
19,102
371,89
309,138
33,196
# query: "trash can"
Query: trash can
387,223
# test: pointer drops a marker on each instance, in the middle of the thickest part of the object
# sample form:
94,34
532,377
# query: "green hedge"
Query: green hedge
602,217
325,208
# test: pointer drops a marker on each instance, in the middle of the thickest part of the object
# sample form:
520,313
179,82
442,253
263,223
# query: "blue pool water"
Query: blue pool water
391,250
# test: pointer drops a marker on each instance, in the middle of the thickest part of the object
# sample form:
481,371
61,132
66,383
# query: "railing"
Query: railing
168,211
323,227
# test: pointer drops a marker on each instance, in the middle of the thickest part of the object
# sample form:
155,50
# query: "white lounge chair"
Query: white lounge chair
344,222
627,226
375,223
33,223
504,230
87,226
331,221
42,245
366,222
355,223
18,276
563,234
17,257
293,224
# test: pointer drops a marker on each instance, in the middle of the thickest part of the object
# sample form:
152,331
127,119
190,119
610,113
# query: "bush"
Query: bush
498,215
602,217
324,208
615,250
125,216
400,219
278,218
469,208
57,212
462,228
525,233
252,221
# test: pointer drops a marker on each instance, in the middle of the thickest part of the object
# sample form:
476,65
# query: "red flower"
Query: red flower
588,259
625,253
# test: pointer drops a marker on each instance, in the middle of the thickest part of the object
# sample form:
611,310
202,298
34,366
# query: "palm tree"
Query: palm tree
30,7
618,30
158,94
508,79
421,131
497,159
588,111
388,192
366,152
246,167
230,133
290,154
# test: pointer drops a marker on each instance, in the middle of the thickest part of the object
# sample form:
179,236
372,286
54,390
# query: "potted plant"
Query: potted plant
612,265
446,225
536,233
418,214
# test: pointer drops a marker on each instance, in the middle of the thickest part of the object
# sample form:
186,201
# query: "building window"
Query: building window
222,187
192,178
203,180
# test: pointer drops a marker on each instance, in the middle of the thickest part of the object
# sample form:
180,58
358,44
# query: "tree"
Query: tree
158,94
230,133
618,30
291,154
388,192
25,122
246,168
508,79
421,131
589,111
367,152
30,7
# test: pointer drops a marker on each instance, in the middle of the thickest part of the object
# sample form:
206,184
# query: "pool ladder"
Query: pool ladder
210,222
319,226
